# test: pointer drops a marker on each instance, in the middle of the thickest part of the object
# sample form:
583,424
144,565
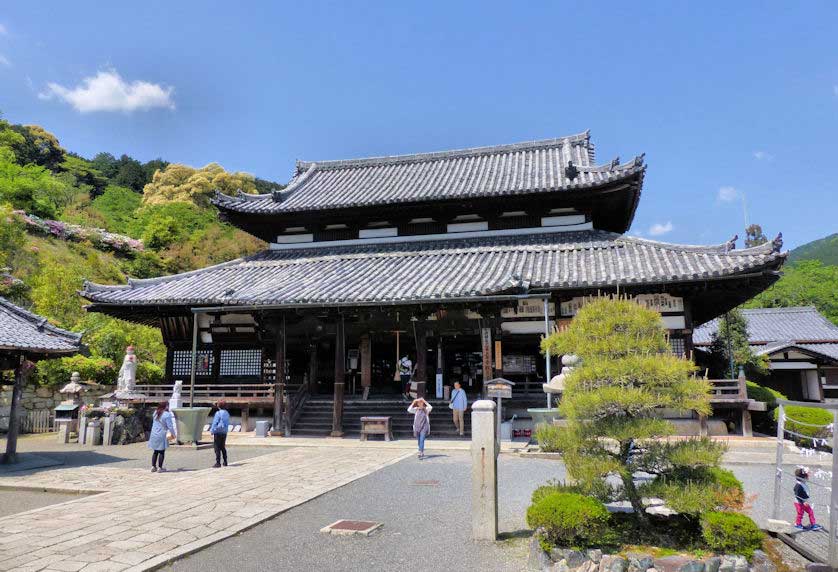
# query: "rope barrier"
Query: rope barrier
828,426
816,440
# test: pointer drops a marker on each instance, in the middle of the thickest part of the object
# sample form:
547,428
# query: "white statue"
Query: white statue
556,385
175,402
128,372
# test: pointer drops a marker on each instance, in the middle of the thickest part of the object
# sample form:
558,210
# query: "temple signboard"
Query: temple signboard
661,303
499,387
529,308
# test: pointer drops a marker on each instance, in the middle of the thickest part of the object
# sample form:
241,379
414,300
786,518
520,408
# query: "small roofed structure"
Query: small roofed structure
25,338
801,345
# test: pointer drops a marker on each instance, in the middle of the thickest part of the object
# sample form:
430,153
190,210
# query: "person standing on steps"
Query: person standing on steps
458,406
406,372
220,423
421,409
162,422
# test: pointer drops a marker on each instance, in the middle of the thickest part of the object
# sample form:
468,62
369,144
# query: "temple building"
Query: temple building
463,258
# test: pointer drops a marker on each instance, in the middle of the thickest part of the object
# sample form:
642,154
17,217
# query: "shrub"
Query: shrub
58,371
548,437
809,416
697,491
550,488
764,394
569,519
730,532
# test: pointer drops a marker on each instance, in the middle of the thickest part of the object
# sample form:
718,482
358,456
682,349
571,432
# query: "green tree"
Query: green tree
55,292
731,350
84,173
31,188
152,167
118,205
106,164
12,237
627,373
39,147
130,173
754,236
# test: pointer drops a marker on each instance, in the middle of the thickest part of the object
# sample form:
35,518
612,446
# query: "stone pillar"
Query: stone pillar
245,418
747,429
421,360
93,435
279,380
340,379
107,430
63,426
484,472
82,428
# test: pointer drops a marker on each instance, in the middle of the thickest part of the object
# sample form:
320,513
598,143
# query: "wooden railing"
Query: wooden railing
728,389
207,393
39,421
294,403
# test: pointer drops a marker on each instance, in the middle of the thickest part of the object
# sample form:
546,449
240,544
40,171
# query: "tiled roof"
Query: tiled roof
797,324
25,331
440,270
522,168
829,350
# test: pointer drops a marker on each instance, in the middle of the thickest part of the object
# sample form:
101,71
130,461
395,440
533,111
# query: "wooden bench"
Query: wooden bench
379,425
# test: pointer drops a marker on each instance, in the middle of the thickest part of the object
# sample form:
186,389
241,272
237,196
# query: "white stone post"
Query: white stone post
484,471
63,430
93,436
82,428
107,429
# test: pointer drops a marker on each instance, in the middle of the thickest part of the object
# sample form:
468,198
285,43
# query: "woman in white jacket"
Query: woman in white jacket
421,410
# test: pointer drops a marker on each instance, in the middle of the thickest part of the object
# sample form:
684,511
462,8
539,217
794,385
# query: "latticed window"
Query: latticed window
678,347
240,363
182,362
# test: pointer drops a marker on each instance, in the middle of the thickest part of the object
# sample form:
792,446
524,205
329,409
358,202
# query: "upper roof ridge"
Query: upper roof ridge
40,322
583,138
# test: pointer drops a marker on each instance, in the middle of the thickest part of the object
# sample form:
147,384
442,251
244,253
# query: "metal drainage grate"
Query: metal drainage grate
426,483
362,527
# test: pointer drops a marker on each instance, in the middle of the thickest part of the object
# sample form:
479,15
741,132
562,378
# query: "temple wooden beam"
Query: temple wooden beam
366,363
421,359
279,378
340,379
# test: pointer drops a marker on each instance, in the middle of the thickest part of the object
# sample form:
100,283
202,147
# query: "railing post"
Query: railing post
778,477
833,497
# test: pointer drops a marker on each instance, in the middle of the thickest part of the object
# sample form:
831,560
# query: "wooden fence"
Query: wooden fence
38,421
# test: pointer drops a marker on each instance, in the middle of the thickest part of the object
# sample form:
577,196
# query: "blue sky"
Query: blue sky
727,99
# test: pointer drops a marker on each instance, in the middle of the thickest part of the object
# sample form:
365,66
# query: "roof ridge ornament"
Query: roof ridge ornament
777,243
571,172
731,244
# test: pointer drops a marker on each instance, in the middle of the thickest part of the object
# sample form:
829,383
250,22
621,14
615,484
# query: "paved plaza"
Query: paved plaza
146,519
198,518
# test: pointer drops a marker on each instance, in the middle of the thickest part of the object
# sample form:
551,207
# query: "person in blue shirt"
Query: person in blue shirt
220,422
162,424
458,405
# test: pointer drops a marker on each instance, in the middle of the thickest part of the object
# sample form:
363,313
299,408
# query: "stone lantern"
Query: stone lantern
67,412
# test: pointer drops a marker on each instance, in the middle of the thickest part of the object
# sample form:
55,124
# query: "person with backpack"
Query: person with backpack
220,423
162,423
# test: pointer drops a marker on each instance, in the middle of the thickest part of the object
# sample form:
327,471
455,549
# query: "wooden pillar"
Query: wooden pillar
279,379
366,363
21,375
340,380
486,343
421,360
312,368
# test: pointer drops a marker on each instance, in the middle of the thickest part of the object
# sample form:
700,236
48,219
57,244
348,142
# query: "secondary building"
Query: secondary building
461,259
801,345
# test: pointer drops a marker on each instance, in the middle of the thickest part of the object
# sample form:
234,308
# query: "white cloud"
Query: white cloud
763,156
3,30
658,229
107,91
4,61
728,194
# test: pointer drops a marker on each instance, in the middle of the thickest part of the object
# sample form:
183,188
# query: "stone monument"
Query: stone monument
556,385
126,382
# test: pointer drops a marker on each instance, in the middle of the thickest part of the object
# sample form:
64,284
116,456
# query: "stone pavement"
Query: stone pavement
146,519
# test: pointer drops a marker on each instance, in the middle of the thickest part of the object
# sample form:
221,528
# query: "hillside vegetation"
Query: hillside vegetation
824,249
153,218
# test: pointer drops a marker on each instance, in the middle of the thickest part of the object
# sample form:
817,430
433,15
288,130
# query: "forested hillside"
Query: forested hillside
810,278
65,219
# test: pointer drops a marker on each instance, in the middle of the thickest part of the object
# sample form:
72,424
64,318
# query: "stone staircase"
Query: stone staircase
316,418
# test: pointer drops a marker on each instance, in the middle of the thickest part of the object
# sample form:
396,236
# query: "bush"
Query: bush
731,533
58,371
550,488
698,491
548,437
569,519
809,416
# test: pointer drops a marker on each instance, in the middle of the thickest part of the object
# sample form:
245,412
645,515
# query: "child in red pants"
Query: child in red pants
801,501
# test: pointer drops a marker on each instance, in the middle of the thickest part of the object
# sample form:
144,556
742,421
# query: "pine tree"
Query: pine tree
731,350
627,373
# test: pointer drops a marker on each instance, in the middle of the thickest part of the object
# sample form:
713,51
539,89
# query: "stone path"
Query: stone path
146,519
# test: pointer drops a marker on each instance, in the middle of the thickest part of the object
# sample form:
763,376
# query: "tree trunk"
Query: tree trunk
629,488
